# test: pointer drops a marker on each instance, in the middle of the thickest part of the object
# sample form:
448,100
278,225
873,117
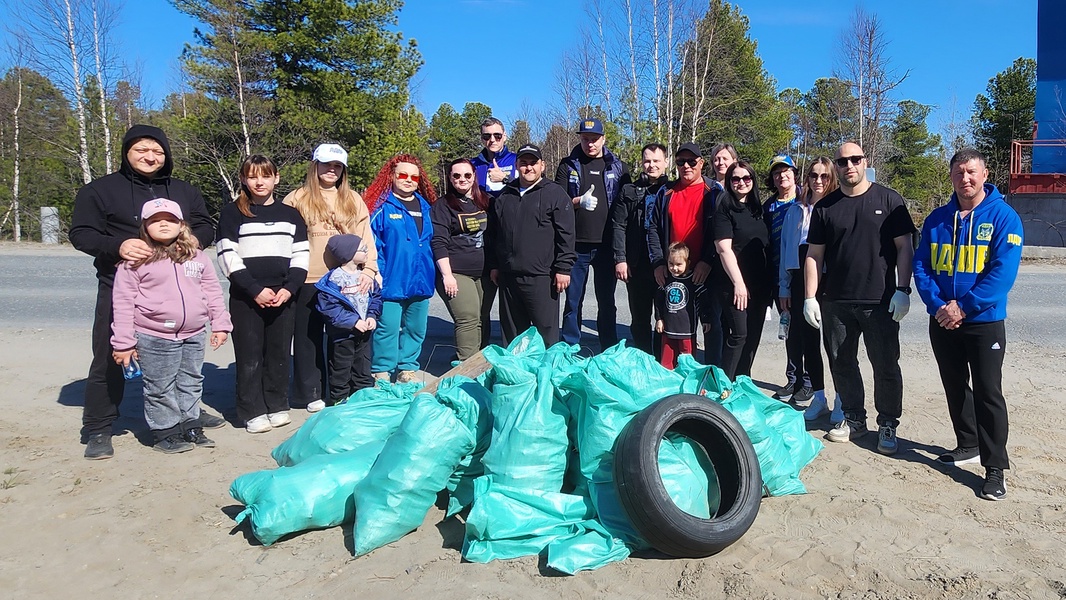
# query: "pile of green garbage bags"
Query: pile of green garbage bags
526,447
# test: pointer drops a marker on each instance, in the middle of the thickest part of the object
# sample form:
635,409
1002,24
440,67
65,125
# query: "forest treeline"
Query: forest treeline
279,77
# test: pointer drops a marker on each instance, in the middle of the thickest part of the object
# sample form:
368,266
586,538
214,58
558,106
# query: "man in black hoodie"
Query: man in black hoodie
530,243
106,225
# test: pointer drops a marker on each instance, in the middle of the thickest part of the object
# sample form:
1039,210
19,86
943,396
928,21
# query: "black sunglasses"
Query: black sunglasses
843,160
488,136
686,161
737,179
458,176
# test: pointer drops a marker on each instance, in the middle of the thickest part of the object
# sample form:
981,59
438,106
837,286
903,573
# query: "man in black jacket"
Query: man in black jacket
530,248
106,225
687,205
631,262
593,178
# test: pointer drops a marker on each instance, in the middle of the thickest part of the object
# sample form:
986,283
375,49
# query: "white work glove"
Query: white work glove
812,313
588,201
899,305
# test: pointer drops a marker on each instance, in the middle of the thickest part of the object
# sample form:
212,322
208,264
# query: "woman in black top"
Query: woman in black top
459,249
742,240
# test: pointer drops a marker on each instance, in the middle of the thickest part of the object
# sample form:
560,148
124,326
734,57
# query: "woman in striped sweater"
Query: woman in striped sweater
263,250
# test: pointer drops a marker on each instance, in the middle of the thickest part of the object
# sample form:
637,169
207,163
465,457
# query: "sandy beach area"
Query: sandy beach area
145,525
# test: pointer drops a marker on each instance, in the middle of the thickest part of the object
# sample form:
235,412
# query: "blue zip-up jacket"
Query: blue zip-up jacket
505,159
972,260
338,310
405,257
614,174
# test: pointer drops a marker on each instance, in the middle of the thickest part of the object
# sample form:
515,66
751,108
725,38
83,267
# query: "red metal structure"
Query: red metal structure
1023,180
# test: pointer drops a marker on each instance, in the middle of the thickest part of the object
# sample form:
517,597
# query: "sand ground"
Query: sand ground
146,525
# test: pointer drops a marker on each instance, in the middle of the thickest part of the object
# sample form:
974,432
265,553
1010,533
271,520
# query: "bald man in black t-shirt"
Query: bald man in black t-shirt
861,233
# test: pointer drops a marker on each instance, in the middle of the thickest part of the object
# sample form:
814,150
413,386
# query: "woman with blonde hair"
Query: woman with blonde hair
803,345
329,207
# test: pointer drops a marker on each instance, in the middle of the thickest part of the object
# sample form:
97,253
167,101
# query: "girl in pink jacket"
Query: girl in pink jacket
163,301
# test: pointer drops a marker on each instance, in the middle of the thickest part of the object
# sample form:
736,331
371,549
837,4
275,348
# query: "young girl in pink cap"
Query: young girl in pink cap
162,306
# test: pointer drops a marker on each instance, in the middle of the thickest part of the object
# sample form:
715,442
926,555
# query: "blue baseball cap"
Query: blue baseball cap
782,159
590,125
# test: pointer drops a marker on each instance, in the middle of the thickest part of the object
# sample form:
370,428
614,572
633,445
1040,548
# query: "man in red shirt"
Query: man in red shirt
681,212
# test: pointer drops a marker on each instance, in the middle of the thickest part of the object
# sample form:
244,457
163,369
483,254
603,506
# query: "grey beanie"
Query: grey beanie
343,247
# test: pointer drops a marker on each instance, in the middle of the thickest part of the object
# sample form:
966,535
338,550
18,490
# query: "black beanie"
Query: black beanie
343,247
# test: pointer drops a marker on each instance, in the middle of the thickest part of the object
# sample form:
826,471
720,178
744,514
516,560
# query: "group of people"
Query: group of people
348,278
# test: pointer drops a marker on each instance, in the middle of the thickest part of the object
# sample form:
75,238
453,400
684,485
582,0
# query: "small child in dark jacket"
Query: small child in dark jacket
679,305
350,316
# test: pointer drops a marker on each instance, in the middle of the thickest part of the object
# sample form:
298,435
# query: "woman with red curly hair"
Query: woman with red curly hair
399,199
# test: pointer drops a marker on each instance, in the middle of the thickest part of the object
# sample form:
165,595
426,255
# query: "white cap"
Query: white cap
327,153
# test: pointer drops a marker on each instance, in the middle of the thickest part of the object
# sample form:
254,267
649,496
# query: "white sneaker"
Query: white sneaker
838,411
279,418
818,407
316,406
260,424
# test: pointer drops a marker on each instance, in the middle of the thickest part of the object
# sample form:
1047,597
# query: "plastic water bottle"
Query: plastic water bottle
782,328
132,370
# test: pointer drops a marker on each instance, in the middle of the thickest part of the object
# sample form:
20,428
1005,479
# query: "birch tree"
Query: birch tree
55,30
866,64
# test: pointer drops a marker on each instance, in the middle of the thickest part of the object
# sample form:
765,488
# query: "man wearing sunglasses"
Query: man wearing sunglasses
593,177
495,164
682,211
861,234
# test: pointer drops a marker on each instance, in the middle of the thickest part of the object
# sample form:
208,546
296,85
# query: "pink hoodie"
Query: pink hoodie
167,300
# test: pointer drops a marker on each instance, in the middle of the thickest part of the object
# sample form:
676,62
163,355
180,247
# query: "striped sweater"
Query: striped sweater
267,251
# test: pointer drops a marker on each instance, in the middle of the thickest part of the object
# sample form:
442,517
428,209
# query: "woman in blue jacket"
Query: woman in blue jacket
399,199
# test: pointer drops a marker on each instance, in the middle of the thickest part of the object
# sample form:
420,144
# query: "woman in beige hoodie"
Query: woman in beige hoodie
330,207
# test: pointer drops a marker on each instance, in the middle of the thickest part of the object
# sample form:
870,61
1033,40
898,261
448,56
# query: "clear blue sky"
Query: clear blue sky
952,47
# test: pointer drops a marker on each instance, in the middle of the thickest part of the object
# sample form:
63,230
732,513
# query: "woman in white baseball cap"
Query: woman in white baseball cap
330,207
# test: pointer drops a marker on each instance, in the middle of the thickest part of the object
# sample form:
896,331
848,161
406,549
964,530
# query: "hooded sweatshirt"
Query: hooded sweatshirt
973,260
107,211
167,300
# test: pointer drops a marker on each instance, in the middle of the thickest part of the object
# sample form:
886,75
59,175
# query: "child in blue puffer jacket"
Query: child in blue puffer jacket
350,317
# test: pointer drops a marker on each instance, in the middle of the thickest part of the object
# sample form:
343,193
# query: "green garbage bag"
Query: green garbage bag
589,547
461,483
606,394
770,437
370,416
416,462
529,424
688,476
317,493
507,522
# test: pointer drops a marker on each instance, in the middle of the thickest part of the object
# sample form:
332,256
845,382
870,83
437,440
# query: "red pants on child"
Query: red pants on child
673,348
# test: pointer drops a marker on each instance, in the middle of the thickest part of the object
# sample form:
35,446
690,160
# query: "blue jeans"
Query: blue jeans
399,335
601,259
842,324
172,371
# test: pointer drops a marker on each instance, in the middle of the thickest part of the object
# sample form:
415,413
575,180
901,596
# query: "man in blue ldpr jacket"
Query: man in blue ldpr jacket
964,268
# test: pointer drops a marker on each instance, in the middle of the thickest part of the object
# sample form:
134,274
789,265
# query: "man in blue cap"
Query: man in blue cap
593,178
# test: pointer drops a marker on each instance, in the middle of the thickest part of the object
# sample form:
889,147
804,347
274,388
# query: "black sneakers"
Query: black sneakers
995,487
803,395
173,444
99,447
209,421
960,456
197,437
785,393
